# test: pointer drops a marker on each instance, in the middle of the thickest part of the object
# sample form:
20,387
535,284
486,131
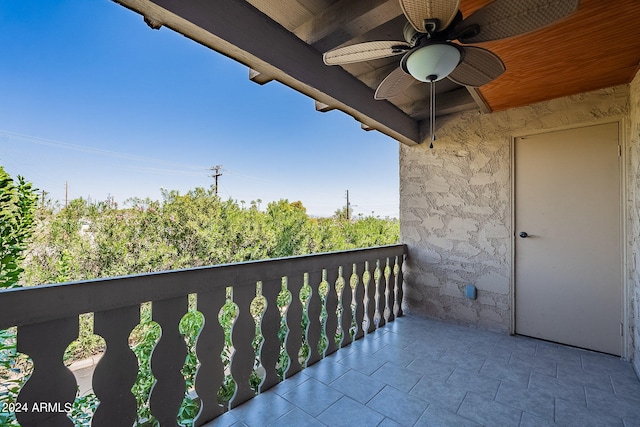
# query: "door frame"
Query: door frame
623,143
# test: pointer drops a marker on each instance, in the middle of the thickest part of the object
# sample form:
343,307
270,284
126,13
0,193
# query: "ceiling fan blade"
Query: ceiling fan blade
420,13
506,18
478,67
394,84
364,52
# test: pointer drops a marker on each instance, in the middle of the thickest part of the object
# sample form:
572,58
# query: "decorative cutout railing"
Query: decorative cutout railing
334,298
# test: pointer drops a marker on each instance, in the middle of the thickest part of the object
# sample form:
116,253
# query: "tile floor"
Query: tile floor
421,372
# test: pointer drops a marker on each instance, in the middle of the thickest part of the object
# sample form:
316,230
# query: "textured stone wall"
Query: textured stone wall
455,205
633,173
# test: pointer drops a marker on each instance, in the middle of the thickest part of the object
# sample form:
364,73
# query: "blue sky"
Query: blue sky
91,96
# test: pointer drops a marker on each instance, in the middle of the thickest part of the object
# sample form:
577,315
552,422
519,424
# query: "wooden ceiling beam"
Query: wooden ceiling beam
240,31
447,103
482,103
323,108
258,77
346,19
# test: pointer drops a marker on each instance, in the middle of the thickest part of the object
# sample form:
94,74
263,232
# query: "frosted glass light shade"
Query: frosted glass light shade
433,62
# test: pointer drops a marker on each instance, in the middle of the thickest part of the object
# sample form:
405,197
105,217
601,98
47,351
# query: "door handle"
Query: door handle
524,234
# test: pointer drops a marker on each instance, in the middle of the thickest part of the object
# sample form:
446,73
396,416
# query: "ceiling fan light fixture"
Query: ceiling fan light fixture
432,62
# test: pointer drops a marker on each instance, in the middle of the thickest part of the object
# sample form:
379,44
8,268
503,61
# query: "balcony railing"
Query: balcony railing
347,295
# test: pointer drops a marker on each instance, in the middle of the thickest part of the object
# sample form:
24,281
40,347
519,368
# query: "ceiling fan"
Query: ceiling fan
429,52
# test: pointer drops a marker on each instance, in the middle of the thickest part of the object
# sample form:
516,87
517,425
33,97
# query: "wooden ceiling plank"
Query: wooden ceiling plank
316,6
345,20
288,13
242,32
373,78
594,48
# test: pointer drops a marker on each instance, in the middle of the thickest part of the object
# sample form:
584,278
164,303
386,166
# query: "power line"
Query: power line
92,150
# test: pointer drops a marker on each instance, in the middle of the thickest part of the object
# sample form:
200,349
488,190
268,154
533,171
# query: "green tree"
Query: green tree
290,224
62,247
17,208
370,231
192,226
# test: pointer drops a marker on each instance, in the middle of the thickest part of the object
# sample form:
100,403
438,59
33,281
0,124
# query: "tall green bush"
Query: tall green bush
17,206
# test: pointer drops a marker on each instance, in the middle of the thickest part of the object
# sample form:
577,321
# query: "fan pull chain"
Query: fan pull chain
432,109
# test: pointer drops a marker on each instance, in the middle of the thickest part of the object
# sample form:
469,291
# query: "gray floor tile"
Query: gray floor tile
529,420
414,324
358,386
435,416
227,419
533,363
312,396
349,413
519,344
569,414
483,351
564,389
604,401
388,422
397,340
439,393
536,403
368,345
286,385
488,412
340,353
626,385
587,377
398,406
470,381
434,369
606,363
296,418
326,371
262,409
398,356
470,362
567,356
401,378
363,362
631,422
427,348
505,372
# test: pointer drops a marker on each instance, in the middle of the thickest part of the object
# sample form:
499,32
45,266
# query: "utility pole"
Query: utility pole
348,208
217,169
66,193
44,193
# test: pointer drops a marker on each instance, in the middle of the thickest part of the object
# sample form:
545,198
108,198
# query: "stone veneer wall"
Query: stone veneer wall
633,227
455,204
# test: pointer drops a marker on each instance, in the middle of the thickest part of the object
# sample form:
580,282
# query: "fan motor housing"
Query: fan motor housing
411,35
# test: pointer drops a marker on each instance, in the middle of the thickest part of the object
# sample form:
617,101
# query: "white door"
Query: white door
568,265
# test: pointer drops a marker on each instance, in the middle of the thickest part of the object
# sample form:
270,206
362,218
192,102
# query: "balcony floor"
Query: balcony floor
424,372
